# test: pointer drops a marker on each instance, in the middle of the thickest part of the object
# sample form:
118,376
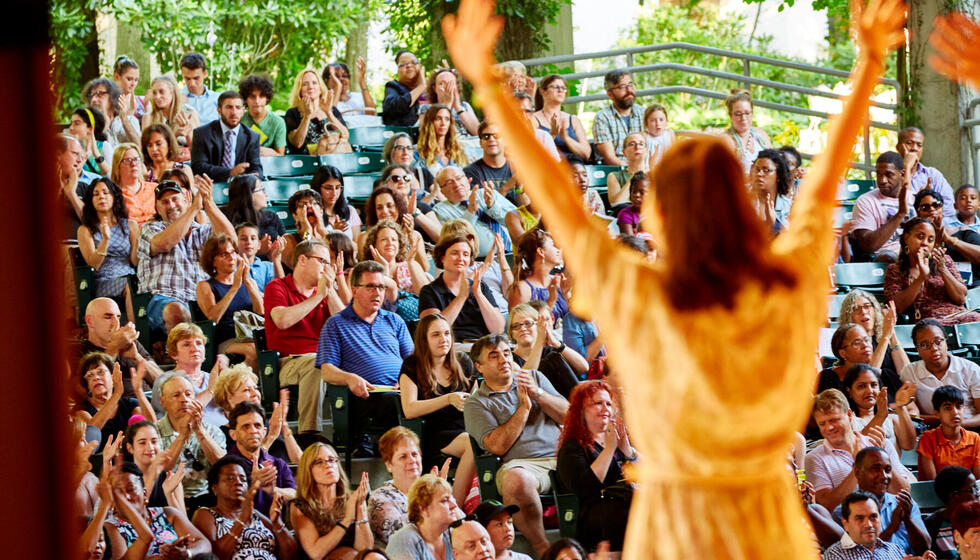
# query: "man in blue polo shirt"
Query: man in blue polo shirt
363,346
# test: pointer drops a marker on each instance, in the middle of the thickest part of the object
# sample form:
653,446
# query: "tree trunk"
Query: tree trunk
516,41
357,46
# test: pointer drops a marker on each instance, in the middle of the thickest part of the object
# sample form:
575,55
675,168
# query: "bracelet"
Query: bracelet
361,522
562,348
894,347
342,526
518,190
101,253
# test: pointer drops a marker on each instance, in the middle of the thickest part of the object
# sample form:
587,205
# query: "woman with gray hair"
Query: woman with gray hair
121,125
861,308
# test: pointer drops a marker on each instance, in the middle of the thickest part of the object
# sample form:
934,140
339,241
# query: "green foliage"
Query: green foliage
72,31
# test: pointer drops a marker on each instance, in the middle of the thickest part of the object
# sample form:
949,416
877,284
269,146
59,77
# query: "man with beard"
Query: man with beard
614,123
224,148
878,215
169,250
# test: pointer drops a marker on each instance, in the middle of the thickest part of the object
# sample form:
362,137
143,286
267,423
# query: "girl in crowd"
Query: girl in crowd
229,289
522,219
431,511
630,219
635,152
746,140
167,107
538,348
851,346
234,528
387,244
87,124
126,74
772,184
565,128
386,204
247,202
103,94
312,113
438,145
404,95
593,449
535,260
795,163
142,445
659,135
869,401
400,178
107,240
435,381
388,505
444,90
338,214
329,520
963,244
306,208
590,197
498,276
128,173
160,150
925,280
98,386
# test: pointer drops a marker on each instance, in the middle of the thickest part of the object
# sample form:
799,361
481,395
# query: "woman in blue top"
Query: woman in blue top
566,129
535,260
107,239
231,288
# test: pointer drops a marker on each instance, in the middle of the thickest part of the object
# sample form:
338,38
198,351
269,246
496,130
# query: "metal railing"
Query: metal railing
745,78
972,126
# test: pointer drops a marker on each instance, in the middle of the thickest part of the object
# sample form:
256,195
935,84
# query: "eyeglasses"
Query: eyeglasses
99,93
636,144
526,325
742,114
329,461
859,342
130,160
557,87
259,190
971,491
929,344
927,206
399,178
763,170
864,307
624,87
321,260
376,287
403,148
226,254
408,63
489,135
453,179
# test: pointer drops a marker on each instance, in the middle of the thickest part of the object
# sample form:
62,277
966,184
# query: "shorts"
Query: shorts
538,468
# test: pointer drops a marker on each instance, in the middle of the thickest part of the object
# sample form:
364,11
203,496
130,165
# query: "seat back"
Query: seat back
85,287
968,336
854,188
924,494
568,507
359,187
868,276
289,165
354,162
486,471
599,173
373,138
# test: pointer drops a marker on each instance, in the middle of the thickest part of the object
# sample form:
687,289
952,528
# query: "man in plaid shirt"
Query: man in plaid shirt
617,121
170,247
862,525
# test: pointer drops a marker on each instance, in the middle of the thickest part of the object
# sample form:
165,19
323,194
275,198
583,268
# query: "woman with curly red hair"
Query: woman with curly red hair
592,450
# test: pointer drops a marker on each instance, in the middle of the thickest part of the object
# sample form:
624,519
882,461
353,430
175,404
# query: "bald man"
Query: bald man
104,334
472,542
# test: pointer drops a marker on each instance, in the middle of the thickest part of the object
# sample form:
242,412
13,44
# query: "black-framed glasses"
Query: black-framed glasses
408,148
321,260
929,344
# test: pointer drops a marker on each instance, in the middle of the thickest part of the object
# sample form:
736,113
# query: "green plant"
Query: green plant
72,32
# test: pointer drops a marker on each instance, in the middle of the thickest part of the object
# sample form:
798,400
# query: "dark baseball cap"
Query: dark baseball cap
165,186
489,510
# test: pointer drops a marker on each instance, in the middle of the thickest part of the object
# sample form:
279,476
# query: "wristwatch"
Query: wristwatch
538,393
100,159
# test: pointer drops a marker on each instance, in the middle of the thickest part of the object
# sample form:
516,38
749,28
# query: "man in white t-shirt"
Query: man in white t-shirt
878,215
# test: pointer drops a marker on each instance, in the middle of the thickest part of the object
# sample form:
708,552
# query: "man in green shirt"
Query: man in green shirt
271,128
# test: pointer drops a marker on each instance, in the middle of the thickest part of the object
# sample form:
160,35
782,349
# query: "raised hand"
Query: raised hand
472,206
471,34
361,68
173,480
311,105
905,394
111,449
889,319
488,198
477,278
956,39
879,25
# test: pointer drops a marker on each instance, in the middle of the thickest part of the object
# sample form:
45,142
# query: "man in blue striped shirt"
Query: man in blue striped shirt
363,346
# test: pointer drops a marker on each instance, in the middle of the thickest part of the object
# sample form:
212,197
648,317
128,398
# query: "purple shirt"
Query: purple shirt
921,176
284,477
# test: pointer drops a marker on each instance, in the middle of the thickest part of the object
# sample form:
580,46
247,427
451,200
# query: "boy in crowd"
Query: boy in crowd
257,92
499,522
948,444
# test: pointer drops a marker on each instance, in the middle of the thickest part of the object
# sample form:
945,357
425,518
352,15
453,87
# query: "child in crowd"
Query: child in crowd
954,486
966,202
249,243
630,218
499,521
948,444
659,136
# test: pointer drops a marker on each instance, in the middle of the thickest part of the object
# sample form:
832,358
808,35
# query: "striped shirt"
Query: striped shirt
176,272
374,350
827,467
847,549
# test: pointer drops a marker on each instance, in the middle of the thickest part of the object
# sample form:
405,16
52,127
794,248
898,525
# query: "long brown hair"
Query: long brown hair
423,356
712,258
428,145
306,488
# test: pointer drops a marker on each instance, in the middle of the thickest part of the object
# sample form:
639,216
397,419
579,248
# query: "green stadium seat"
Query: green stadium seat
868,276
279,190
359,187
598,173
924,495
355,162
852,189
973,298
373,138
220,193
833,306
968,336
281,209
568,507
289,166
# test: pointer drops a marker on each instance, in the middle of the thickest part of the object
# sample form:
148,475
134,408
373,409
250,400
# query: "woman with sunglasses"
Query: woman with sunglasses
565,128
963,246
402,180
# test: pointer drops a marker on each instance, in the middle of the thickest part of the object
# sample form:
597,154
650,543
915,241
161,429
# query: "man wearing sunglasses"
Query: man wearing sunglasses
493,167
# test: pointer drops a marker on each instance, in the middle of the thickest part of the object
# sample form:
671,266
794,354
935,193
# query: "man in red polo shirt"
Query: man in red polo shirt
296,307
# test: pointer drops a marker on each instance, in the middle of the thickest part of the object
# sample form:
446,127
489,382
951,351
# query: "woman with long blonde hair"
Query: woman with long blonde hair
312,113
167,107
438,145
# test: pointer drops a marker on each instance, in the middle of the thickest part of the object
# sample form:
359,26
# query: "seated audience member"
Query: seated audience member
160,151
925,281
235,526
565,128
539,349
257,91
306,208
535,260
590,197
499,276
614,123
73,180
498,520
172,534
87,124
126,74
324,504
948,444
563,549
966,517
107,240
471,541
851,346
742,137
937,368
431,511
526,102
444,90
248,202
829,466
962,245
900,517
954,485
869,402
966,205
343,252
438,144
338,73
386,243
514,74
194,73
630,218
516,415
435,381
201,443
121,343
97,385
296,308
862,308
229,289
493,167
400,149
238,384
169,251
466,304
167,107
363,346
911,145
522,219
163,482
399,178
223,148
771,183
186,344
121,126
659,135
862,526
128,172
482,206
796,170
249,244
404,95
312,113
617,183
338,214
386,204
388,504
246,427
878,215
593,450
